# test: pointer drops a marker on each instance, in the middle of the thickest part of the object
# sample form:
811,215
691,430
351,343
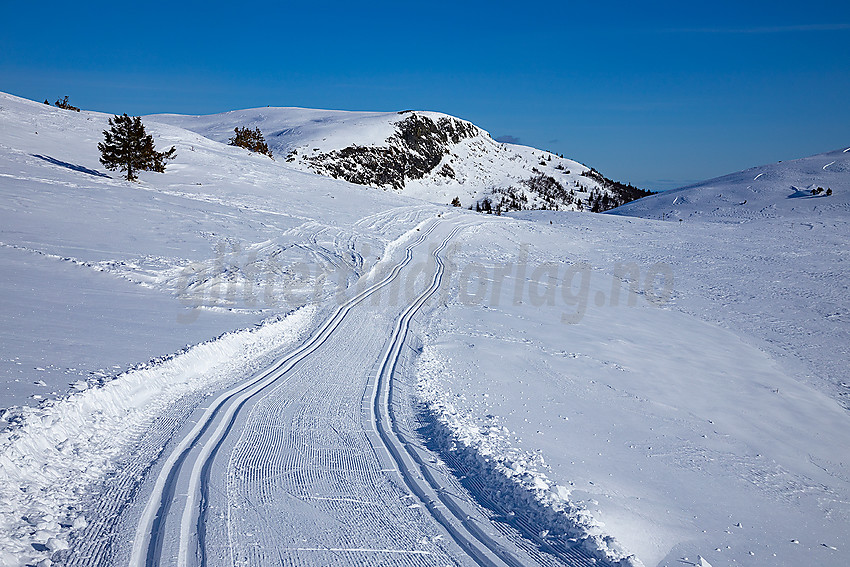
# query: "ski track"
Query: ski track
314,461
147,547
305,451
307,462
317,459
108,503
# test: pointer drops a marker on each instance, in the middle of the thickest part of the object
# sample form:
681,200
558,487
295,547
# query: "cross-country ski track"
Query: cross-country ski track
305,463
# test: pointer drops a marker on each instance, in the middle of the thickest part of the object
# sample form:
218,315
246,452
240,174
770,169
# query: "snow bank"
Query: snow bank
51,455
485,451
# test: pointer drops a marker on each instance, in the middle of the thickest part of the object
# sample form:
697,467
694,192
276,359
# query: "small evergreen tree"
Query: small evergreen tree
252,140
456,202
127,147
828,191
63,103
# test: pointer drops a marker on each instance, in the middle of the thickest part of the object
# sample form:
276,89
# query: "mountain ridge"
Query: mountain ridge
424,154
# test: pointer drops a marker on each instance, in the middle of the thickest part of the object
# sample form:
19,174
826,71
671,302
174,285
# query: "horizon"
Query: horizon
659,97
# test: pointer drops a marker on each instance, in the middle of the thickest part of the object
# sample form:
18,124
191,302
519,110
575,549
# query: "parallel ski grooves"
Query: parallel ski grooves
148,540
394,443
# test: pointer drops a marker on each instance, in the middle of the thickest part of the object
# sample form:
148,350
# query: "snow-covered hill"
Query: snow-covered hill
128,309
594,386
427,155
817,185
78,242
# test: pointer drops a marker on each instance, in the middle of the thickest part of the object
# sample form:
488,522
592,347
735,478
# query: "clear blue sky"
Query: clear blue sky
656,93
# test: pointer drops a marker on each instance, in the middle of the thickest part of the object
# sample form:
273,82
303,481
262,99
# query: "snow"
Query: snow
480,164
211,218
663,385
716,423
64,448
775,191
106,282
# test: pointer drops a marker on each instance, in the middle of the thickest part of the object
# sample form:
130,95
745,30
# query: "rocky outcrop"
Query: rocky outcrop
415,149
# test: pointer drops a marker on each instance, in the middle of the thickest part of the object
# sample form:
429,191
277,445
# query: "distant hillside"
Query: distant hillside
819,184
427,155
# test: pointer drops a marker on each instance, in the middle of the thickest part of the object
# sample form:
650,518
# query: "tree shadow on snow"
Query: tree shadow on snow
71,166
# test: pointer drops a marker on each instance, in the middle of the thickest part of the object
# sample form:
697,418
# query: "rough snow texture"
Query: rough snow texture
707,424
516,476
56,454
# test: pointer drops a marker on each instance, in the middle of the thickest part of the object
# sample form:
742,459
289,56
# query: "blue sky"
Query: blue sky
656,93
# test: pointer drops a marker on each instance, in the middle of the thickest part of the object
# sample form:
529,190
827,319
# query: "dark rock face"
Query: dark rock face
549,190
415,150
420,145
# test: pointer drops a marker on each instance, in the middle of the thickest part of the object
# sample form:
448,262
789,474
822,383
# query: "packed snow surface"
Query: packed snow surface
242,362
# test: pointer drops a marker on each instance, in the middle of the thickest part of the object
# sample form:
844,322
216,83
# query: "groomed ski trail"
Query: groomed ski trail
305,463
480,546
220,414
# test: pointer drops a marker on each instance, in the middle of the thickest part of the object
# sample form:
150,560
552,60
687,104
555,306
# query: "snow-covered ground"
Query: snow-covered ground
148,268
781,190
708,418
379,380
471,167
106,279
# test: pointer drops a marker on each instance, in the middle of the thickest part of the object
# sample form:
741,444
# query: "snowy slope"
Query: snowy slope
716,426
709,421
427,155
105,281
175,247
407,383
778,190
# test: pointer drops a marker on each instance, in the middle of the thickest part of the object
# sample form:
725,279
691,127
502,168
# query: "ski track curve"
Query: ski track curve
408,464
350,485
322,474
307,462
148,541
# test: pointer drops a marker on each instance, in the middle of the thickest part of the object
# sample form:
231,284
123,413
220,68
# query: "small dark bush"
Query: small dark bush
63,103
251,140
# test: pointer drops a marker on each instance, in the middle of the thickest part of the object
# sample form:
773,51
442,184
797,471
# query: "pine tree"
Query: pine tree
252,140
128,148
63,103
456,202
